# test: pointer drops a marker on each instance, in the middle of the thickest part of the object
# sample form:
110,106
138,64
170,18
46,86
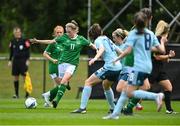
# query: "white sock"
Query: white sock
47,93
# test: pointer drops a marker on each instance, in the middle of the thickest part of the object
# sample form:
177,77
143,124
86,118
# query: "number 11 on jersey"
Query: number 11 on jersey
72,46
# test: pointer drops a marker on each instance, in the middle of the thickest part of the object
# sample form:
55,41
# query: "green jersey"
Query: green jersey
54,50
71,48
129,59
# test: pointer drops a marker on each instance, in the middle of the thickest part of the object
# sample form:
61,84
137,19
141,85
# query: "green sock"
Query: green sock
132,103
53,93
60,93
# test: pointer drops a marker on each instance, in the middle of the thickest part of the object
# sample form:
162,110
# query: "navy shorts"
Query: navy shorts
137,78
123,76
103,74
125,73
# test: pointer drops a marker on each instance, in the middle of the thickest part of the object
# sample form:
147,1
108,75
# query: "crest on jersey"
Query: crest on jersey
21,47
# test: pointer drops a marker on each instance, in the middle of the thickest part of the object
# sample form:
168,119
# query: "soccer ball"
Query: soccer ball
30,103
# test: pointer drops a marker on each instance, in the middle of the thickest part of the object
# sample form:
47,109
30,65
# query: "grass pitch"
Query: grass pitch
36,73
13,112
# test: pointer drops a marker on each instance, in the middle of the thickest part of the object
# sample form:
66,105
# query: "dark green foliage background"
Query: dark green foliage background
38,17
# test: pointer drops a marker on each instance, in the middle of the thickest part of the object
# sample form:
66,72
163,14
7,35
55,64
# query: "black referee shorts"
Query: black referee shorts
158,75
19,67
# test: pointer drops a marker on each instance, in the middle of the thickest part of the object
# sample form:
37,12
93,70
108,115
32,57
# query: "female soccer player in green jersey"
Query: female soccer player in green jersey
72,44
52,53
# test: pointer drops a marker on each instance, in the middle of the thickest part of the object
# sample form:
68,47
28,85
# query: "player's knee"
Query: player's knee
106,86
168,88
87,82
57,81
171,89
130,94
118,89
147,87
16,78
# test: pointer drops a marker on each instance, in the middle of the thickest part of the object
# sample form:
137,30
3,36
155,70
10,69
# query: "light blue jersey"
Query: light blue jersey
109,54
142,44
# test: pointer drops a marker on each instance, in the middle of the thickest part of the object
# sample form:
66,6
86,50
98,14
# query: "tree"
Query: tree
38,17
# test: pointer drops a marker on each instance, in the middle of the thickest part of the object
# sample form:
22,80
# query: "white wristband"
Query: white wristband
95,58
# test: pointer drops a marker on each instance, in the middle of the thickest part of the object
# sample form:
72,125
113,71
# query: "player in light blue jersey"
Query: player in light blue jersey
142,41
119,37
128,110
107,74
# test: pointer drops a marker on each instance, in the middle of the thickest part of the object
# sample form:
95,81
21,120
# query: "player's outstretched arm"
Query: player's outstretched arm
34,40
93,46
123,54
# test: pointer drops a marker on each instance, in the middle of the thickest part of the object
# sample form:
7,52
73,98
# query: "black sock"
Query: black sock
167,100
16,87
26,95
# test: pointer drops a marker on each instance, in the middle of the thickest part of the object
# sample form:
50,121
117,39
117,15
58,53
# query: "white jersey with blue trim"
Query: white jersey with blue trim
109,54
142,44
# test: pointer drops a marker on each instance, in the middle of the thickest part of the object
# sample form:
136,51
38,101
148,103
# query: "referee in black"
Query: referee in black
19,58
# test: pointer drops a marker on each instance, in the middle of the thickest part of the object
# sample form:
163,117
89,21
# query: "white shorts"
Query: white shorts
65,68
54,75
